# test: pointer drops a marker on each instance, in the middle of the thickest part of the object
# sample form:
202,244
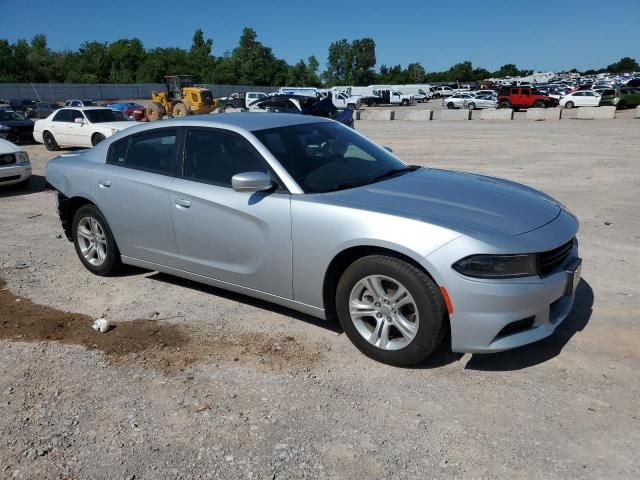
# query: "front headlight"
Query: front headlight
114,131
22,157
497,266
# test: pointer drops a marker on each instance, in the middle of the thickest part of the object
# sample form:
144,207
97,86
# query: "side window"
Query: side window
118,152
214,157
73,114
153,152
515,91
62,116
194,98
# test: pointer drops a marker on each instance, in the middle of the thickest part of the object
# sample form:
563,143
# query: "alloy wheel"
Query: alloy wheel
92,241
383,312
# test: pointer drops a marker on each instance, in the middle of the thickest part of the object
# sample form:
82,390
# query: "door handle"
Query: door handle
104,183
182,203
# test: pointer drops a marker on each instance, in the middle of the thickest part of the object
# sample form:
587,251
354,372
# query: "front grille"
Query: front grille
8,159
8,179
549,261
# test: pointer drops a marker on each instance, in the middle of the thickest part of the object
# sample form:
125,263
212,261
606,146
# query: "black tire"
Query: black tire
504,105
50,141
471,106
351,106
539,104
622,105
569,105
97,138
427,297
112,263
450,106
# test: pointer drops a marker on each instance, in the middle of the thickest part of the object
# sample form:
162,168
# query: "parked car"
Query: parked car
131,110
493,93
21,104
4,104
480,101
251,97
306,213
305,105
80,103
456,100
78,127
15,167
439,92
608,96
15,127
581,98
629,97
524,97
41,110
344,100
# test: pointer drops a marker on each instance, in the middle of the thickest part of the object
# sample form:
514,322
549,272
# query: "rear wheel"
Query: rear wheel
391,310
94,242
569,105
539,104
97,138
504,105
351,106
50,141
181,110
471,106
450,106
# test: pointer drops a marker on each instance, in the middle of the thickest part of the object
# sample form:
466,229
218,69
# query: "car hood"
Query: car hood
16,123
461,201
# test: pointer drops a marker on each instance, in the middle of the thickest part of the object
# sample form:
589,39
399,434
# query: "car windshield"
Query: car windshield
11,115
101,115
324,157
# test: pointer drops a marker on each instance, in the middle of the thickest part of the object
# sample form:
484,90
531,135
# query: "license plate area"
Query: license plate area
573,270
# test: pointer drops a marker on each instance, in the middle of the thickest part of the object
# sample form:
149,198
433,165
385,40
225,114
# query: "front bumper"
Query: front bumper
15,174
501,314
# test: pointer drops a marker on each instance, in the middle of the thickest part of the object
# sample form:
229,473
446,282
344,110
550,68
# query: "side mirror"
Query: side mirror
79,120
251,182
388,149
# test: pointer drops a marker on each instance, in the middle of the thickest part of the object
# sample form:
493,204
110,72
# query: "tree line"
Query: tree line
249,63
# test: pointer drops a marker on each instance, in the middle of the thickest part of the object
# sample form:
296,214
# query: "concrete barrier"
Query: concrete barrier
454,115
592,113
544,113
415,115
496,114
376,115
637,112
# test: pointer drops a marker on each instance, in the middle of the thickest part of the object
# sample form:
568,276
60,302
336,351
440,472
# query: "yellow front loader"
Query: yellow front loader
181,98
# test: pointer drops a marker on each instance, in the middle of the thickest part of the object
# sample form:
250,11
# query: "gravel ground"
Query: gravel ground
195,382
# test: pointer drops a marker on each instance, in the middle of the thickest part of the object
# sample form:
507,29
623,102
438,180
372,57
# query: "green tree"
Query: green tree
508,70
254,63
123,58
201,63
625,64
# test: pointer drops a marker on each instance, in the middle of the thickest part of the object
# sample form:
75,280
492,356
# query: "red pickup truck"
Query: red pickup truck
524,97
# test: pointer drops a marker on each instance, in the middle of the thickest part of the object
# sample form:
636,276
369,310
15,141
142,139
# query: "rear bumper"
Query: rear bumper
15,174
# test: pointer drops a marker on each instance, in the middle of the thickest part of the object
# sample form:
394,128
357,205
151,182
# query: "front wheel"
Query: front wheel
539,104
450,106
471,106
391,310
94,242
504,105
569,105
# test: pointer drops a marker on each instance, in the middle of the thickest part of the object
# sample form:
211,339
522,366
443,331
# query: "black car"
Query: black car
323,107
15,127
21,104
41,110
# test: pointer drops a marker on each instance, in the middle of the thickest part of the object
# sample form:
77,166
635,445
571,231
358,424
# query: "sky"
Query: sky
537,35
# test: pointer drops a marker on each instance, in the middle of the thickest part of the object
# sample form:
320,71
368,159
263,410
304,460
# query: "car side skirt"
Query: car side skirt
285,302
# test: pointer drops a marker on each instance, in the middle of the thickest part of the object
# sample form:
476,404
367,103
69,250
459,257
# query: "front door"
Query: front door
242,238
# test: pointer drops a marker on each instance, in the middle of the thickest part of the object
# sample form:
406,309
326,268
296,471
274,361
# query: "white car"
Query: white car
15,167
78,127
456,100
480,101
581,98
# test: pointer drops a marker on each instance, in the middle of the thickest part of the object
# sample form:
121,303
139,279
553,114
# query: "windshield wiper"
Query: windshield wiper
393,172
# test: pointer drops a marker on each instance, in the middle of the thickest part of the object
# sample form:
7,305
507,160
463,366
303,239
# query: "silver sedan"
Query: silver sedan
304,212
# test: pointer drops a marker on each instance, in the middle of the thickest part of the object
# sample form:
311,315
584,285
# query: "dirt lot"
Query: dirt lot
195,382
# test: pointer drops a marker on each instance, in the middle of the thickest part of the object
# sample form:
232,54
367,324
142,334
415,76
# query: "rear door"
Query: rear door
133,191
242,238
60,126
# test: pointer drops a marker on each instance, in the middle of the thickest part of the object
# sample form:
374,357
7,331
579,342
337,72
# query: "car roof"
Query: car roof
84,109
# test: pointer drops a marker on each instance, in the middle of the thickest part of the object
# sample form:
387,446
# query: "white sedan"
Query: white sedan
78,127
15,167
581,98
457,100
